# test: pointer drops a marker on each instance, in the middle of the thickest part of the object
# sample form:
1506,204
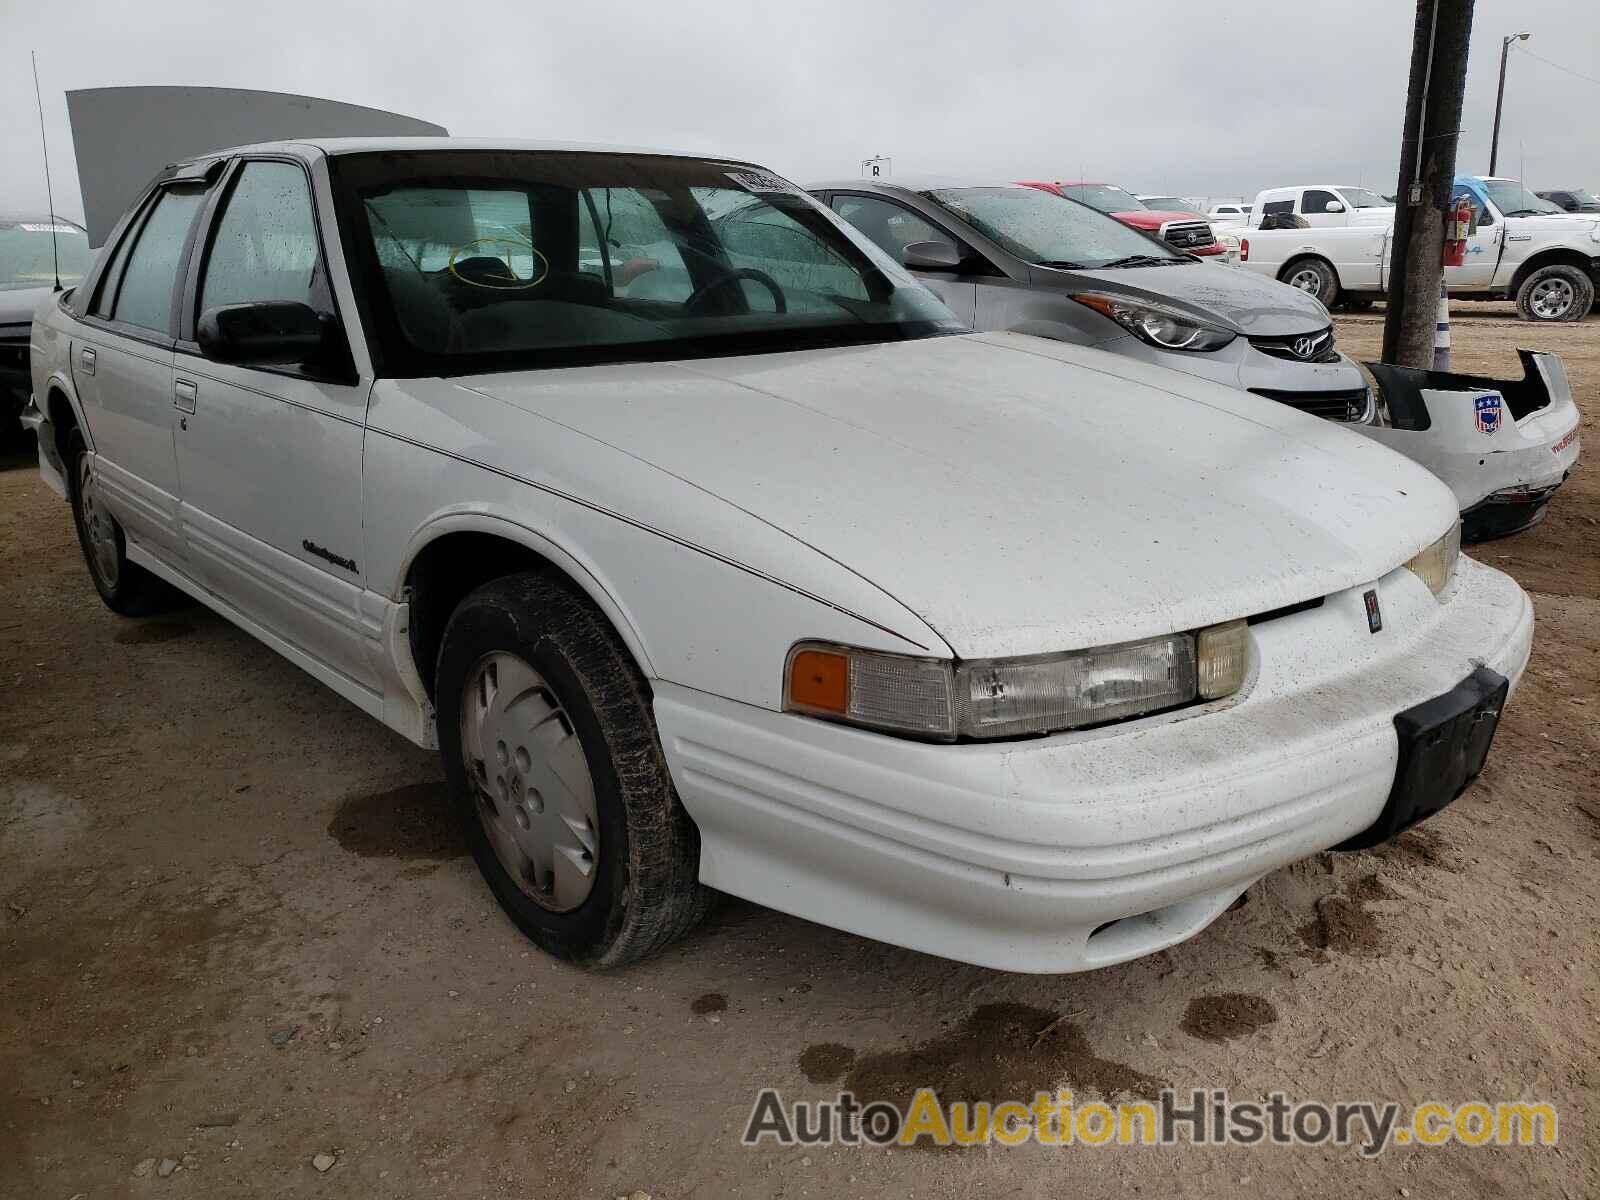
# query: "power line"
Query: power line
1579,74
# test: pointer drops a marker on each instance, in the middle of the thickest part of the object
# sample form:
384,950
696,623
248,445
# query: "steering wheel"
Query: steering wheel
727,277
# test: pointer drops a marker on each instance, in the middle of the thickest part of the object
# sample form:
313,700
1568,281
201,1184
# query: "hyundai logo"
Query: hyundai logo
1305,347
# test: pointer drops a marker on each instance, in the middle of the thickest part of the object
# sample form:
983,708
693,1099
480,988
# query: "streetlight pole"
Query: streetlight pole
1500,96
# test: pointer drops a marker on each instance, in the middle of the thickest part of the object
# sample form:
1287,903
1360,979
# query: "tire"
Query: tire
1557,292
534,689
1314,276
127,589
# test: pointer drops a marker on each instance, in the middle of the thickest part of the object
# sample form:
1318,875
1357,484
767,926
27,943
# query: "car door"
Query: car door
122,369
269,455
1484,246
1314,208
894,227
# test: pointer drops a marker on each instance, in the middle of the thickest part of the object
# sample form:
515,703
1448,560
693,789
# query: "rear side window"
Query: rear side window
144,297
1272,207
265,246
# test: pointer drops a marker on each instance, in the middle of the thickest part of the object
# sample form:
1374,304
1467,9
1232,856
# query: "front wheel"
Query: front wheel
1555,293
551,754
1315,277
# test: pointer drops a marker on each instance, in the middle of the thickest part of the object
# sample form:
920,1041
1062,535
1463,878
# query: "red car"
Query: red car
1186,231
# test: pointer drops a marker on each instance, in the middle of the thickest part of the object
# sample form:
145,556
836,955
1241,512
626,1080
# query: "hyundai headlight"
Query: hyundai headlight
1436,566
1014,697
1158,325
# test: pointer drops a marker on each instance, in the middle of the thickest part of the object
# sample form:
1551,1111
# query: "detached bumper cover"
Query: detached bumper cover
1085,849
1493,441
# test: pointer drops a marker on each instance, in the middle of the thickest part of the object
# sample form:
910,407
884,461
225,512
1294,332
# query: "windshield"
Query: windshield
1514,200
28,261
1361,198
1042,228
1165,203
1104,196
481,260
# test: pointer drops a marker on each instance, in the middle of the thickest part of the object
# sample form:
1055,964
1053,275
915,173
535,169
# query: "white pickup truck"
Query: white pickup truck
1521,248
1323,205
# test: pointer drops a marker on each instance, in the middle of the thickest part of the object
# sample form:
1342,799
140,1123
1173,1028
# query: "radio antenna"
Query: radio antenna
49,196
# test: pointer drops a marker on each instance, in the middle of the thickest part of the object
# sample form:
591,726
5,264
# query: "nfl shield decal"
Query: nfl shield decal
1490,411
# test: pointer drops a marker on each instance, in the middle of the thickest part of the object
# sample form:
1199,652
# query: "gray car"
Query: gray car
1010,256
30,249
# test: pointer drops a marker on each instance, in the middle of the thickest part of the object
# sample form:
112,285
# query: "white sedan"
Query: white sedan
761,576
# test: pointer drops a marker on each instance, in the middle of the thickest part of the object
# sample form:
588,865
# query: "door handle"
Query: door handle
183,395
86,360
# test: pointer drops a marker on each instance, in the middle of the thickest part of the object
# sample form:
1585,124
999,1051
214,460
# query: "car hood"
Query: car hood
1150,218
1243,301
17,305
1554,223
1019,495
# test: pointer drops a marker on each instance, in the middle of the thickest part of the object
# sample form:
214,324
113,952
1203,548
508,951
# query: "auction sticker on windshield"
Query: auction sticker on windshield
763,181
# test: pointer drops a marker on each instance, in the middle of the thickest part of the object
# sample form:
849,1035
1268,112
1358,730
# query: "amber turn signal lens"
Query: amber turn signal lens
820,680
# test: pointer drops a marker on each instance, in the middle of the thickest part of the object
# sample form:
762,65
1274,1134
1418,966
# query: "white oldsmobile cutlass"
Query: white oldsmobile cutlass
710,552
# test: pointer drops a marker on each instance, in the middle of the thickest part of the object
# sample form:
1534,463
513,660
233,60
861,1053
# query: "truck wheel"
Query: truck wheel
1557,292
552,757
127,589
1314,276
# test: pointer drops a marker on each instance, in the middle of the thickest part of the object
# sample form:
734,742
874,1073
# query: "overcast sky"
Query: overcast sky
1202,97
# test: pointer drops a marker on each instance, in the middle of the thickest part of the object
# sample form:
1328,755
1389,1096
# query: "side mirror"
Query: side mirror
264,331
931,256
1333,206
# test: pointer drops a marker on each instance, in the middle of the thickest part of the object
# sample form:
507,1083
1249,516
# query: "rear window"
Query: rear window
144,295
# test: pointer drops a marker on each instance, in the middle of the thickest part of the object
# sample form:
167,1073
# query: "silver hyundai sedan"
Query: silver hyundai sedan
1014,257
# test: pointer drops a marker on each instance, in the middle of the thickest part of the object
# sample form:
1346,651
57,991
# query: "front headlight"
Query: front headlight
1160,326
1014,697
1436,566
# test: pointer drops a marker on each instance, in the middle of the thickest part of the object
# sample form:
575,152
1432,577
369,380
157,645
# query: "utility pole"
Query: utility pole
1500,96
1427,170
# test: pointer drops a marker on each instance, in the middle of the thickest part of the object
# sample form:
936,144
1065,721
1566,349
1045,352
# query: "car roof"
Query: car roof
911,183
310,147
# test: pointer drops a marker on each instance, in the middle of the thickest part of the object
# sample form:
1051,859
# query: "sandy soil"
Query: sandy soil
237,932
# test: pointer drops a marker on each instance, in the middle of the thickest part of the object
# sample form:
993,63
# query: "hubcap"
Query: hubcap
1307,281
527,769
1552,298
97,525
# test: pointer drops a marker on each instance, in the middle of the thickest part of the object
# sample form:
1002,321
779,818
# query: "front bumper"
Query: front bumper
1502,476
1308,387
1084,849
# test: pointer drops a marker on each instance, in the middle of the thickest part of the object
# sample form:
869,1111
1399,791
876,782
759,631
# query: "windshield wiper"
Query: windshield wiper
1136,260
1528,212
1062,263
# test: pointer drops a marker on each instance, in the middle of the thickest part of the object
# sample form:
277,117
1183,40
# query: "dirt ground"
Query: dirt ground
238,932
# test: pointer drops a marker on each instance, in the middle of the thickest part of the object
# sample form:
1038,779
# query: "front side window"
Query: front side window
1042,228
1480,212
265,246
1316,201
144,294
891,227
31,252
480,260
